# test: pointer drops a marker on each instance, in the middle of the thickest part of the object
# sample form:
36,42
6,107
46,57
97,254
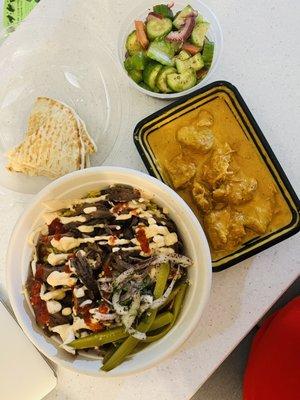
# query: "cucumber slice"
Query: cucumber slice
161,80
208,53
199,19
158,27
145,86
176,46
163,10
198,34
180,17
132,44
162,52
150,74
183,55
184,81
136,75
195,62
137,61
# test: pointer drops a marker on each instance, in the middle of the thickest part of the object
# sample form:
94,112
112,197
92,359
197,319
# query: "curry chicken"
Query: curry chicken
215,169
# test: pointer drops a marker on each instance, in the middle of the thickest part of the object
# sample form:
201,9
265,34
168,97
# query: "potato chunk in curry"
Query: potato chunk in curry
200,139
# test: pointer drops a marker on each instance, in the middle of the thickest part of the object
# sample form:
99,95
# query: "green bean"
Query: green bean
161,320
171,297
176,310
111,350
115,334
161,279
130,343
99,339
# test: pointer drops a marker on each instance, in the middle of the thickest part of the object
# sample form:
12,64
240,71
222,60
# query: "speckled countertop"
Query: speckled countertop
261,57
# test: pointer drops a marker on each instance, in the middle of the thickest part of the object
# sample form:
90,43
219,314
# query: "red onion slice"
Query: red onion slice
153,15
184,33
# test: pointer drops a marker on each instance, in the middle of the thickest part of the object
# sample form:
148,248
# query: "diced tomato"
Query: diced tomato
56,227
39,306
141,34
190,48
103,309
107,270
45,239
112,240
39,273
119,207
142,239
67,269
95,326
87,317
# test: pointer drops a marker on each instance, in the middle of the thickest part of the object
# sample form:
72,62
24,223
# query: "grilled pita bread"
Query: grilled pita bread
55,144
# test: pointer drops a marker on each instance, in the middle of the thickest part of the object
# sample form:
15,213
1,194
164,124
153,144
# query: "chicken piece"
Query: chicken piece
225,228
201,139
181,171
216,224
215,170
202,197
259,217
237,230
204,118
236,191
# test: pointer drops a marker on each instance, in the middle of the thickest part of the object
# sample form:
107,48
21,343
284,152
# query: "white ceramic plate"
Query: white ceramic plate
77,184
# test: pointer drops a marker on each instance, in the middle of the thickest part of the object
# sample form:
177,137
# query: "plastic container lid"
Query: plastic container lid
78,71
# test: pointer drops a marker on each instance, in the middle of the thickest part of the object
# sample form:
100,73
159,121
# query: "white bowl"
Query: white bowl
140,13
77,184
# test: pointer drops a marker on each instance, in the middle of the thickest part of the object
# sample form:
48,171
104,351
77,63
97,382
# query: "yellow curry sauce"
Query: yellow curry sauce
234,206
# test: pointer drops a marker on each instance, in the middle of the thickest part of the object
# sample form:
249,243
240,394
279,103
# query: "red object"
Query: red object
87,316
56,227
143,241
141,34
184,32
153,15
190,48
120,207
39,306
273,370
107,270
103,309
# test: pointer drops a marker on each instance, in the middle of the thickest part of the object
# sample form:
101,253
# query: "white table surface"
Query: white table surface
261,57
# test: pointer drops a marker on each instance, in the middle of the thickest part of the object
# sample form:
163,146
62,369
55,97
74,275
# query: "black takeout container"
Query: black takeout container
253,133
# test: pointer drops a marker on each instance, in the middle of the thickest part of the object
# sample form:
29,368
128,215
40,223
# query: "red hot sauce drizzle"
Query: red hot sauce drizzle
39,306
143,241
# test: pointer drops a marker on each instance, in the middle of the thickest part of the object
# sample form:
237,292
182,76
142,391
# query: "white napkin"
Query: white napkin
24,374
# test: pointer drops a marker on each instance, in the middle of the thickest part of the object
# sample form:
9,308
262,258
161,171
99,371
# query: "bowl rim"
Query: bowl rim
194,320
176,95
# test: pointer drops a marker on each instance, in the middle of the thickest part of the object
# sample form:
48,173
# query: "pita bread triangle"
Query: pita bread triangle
56,141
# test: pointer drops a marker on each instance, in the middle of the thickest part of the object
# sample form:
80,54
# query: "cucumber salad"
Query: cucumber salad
108,274
169,53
